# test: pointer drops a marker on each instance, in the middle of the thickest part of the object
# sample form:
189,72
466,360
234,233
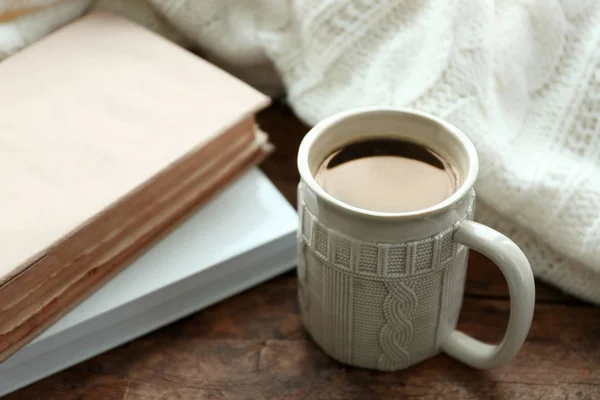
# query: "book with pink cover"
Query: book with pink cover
109,135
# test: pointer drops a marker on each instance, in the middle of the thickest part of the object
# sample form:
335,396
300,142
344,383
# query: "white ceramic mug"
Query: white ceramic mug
384,290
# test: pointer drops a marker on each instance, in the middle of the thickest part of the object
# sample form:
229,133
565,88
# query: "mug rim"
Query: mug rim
321,128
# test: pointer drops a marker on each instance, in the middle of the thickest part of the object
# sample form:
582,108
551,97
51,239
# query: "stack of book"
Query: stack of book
109,137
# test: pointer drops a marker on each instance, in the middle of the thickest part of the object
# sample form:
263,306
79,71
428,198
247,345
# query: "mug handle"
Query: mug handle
517,272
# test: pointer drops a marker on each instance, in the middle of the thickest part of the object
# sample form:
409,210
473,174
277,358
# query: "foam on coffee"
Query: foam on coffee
387,175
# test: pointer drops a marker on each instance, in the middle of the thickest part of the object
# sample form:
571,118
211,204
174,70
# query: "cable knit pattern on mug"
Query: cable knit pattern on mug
359,299
396,335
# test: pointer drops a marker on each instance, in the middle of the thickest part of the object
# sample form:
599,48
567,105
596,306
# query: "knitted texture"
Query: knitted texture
384,306
520,78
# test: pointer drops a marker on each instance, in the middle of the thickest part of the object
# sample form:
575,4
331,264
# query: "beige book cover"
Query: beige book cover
104,115
92,111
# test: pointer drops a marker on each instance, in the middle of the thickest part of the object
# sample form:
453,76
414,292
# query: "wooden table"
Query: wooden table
252,346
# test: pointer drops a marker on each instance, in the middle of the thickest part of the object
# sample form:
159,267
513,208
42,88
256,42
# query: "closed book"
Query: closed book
109,136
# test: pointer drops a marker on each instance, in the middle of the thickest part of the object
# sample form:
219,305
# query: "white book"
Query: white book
244,236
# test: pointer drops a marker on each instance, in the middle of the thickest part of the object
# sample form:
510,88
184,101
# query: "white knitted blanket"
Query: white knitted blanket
520,77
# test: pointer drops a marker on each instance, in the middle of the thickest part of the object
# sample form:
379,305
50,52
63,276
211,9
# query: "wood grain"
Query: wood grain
252,346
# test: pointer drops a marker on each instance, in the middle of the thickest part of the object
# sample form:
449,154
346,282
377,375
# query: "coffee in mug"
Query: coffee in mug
387,175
